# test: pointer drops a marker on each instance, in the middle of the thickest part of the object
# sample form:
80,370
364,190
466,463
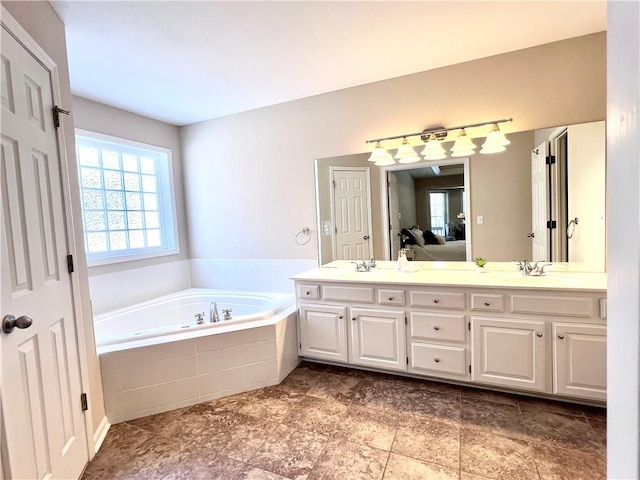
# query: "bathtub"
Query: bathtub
172,317
155,357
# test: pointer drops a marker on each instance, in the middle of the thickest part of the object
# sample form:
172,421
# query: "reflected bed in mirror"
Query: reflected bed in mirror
505,208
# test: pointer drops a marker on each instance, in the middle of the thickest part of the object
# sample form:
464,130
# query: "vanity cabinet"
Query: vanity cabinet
545,341
323,332
580,360
377,338
509,352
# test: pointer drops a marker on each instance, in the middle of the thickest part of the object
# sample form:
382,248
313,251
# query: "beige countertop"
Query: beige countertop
460,274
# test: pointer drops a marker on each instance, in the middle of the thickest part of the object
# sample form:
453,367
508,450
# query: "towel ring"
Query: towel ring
572,226
304,231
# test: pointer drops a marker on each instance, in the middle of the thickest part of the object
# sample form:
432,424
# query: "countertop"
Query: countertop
565,277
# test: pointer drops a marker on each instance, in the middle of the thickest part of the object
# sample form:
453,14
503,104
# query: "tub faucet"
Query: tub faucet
227,313
213,312
199,318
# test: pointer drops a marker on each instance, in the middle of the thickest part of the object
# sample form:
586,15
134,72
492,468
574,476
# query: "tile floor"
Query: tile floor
332,423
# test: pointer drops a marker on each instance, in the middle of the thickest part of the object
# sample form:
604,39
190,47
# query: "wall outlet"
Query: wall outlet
479,219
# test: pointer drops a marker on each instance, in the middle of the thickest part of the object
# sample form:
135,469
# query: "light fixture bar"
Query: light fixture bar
439,130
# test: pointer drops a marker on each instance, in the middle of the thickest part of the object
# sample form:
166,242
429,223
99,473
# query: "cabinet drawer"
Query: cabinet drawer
311,292
438,358
432,326
487,302
553,305
348,294
435,299
388,296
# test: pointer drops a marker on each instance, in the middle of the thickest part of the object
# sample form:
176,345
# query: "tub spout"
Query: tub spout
213,312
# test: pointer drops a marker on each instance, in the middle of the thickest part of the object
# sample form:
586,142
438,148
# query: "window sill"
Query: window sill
130,257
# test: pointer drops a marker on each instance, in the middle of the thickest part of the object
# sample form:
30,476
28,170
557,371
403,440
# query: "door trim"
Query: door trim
332,170
16,30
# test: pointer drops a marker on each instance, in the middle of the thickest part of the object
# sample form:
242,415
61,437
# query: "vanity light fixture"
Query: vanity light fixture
433,149
496,141
380,156
463,147
406,153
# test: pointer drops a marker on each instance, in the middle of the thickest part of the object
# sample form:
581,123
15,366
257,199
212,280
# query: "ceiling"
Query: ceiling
183,62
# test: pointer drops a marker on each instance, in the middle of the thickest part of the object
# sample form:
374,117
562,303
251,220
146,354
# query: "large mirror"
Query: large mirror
541,199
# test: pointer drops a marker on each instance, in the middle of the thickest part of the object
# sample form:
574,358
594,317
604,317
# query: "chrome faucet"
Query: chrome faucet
227,313
365,266
213,312
199,318
535,269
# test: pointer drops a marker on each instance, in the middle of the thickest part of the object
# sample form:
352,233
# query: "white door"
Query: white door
394,214
351,209
539,204
508,352
580,360
378,338
323,332
42,419
586,194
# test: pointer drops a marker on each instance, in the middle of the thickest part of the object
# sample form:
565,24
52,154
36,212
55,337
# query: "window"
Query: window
438,202
127,199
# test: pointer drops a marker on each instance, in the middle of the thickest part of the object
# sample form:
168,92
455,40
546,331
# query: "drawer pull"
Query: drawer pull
390,298
437,360
486,304
436,328
539,334
561,336
435,300
354,318
340,317
308,292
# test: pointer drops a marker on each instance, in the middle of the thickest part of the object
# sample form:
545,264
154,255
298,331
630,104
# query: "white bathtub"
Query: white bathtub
172,317
154,357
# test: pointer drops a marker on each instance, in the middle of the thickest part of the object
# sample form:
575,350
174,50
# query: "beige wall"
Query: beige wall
406,199
251,174
45,27
101,118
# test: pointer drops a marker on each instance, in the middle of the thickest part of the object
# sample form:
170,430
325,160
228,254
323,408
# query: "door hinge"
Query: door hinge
70,268
406,322
84,402
469,325
56,115
333,182
407,360
551,224
550,160
469,368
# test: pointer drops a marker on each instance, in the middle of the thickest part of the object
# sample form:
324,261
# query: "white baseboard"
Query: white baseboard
100,434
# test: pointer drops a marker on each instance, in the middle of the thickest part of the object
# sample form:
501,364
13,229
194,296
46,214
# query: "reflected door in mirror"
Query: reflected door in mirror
351,211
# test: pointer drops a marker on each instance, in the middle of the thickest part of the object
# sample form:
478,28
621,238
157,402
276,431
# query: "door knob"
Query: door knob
366,237
9,322
531,235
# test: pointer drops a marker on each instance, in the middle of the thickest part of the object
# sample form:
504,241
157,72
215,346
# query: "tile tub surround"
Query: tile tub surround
143,381
328,423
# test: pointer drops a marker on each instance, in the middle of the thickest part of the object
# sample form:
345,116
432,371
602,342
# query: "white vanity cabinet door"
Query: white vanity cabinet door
323,332
580,360
509,352
377,338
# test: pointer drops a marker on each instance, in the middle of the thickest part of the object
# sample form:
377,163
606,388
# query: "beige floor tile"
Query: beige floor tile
429,440
484,453
345,460
561,430
500,418
400,467
560,464
317,415
369,426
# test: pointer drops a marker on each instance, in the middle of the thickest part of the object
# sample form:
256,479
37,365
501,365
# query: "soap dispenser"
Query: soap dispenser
403,263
